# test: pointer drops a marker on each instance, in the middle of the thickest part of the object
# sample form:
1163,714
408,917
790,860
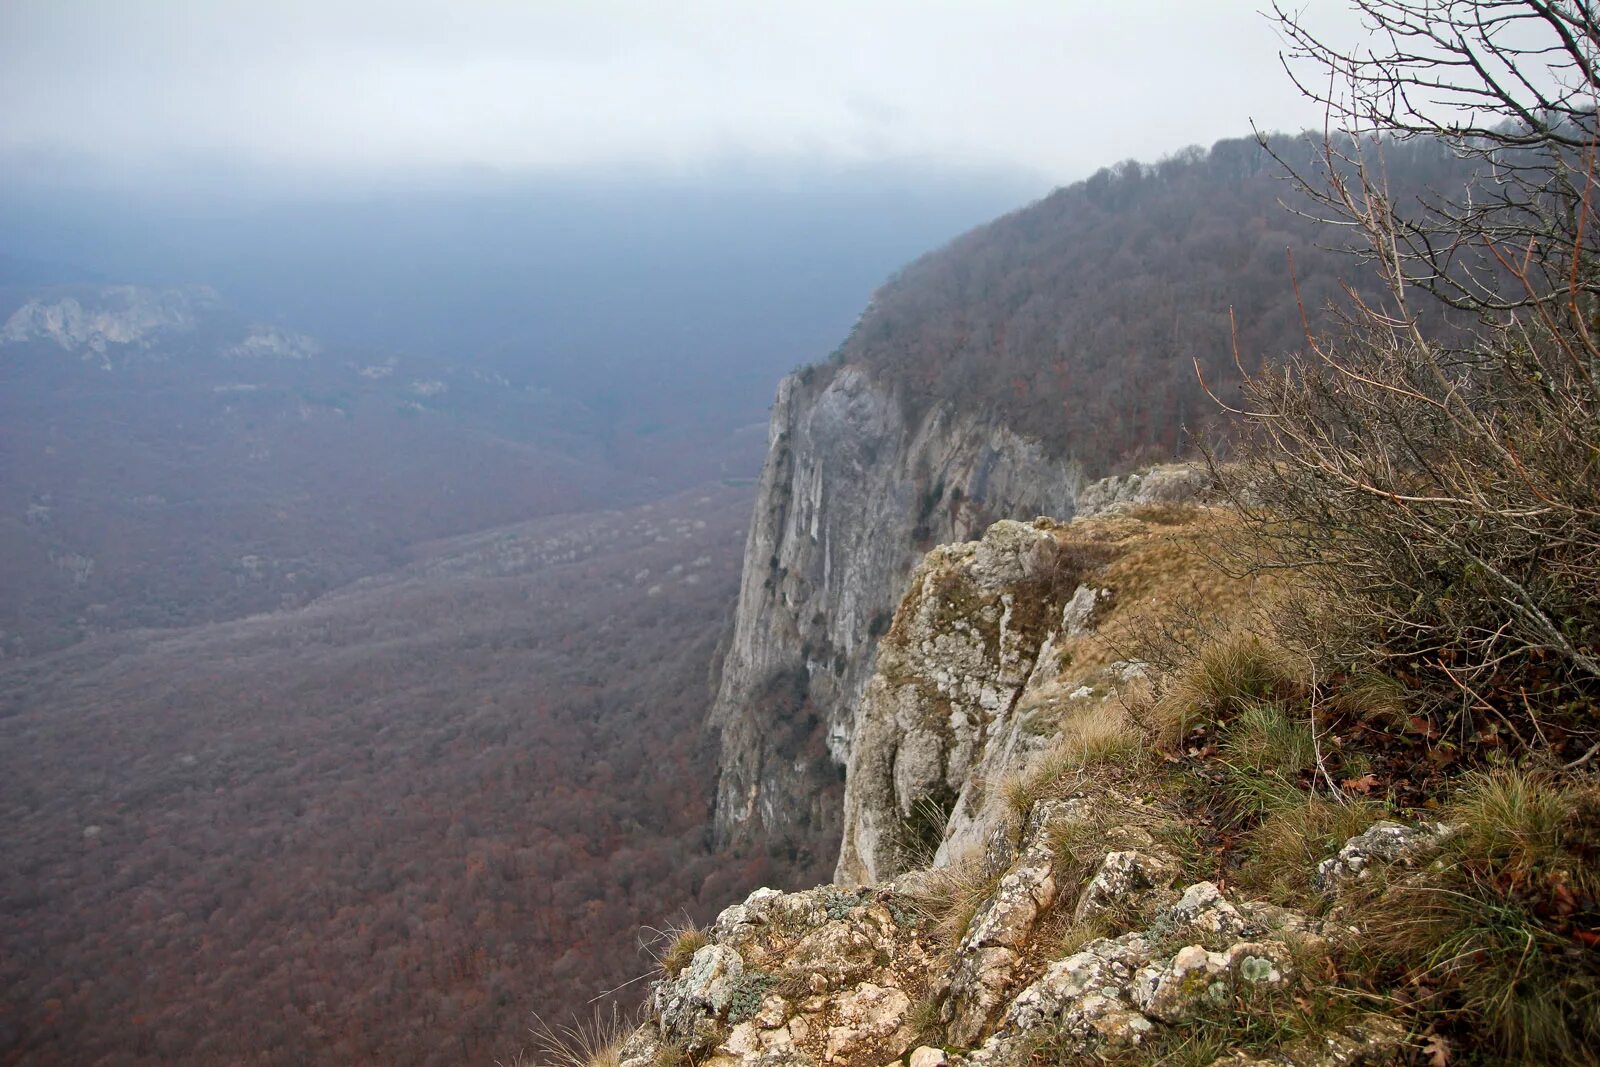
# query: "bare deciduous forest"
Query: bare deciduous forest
1079,319
382,828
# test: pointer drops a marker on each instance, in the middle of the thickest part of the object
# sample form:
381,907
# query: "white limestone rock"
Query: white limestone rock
1124,879
1387,843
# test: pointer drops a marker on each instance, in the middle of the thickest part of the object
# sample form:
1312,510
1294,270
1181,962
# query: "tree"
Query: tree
1508,84
1442,492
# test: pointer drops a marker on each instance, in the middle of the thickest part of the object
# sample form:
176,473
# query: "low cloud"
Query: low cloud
1055,88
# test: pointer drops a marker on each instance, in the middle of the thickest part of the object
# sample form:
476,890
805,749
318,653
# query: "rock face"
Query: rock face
114,324
983,655
949,674
851,496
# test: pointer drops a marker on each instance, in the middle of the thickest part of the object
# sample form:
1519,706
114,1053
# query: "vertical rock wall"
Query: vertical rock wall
851,496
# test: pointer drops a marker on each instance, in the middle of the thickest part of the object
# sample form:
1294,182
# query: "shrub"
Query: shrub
1441,492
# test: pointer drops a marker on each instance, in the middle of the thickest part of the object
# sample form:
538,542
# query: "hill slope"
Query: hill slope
382,827
169,462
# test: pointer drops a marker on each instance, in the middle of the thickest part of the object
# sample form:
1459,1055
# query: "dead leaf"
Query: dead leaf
1423,726
1437,1049
1363,785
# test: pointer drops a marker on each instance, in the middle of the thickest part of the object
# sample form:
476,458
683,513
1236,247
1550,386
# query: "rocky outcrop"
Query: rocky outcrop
91,323
851,495
863,977
1175,483
1022,875
949,674
991,647
111,325
1385,844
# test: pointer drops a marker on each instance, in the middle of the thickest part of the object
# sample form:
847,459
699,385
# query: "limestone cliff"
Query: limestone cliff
90,322
851,495
1022,874
112,325
971,659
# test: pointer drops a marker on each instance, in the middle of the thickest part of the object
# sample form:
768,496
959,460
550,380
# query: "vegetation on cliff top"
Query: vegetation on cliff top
1077,320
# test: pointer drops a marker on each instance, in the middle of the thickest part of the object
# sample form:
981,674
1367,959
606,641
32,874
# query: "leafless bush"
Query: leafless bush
1444,498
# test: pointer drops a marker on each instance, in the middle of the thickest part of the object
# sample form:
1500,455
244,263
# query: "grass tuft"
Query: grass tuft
1513,821
596,1043
1285,848
1099,736
681,943
1497,939
1230,673
1264,753
917,837
950,896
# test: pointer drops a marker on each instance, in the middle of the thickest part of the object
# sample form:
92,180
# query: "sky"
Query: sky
121,89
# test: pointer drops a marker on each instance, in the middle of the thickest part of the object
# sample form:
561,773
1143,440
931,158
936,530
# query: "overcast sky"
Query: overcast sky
1055,88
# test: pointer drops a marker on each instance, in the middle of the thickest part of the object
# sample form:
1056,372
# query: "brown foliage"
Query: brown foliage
383,828
1077,320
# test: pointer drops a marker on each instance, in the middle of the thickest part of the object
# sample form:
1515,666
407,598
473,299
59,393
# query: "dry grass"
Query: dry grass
1516,821
924,1021
1227,675
950,896
916,837
1285,848
678,946
1491,941
1370,695
1101,735
1077,935
596,1043
1167,514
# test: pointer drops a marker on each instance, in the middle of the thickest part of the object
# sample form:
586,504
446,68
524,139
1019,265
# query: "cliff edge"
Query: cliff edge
851,496
1097,811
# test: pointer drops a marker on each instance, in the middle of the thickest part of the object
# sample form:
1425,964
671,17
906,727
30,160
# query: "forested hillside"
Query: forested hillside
1077,320
383,828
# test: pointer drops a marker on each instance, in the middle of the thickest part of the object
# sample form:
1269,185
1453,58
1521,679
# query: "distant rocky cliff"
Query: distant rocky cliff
113,324
851,496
